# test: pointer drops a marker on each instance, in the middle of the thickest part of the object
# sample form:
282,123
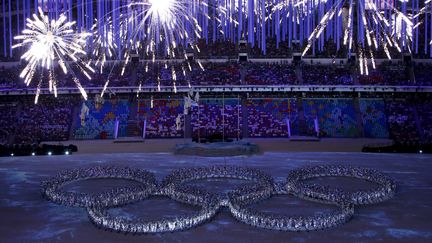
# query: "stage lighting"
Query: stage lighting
50,153
67,153
12,155
33,154
421,151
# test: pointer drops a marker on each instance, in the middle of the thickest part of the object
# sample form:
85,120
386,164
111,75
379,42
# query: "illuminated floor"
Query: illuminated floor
25,216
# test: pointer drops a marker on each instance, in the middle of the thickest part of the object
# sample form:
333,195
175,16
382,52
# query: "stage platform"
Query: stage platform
129,140
264,144
304,139
219,149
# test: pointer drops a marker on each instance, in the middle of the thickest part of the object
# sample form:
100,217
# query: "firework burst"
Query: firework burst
427,7
377,31
51,43
159,29
104,44
163,24
105,47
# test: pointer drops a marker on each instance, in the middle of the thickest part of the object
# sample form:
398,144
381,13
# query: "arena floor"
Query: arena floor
264,144
25,216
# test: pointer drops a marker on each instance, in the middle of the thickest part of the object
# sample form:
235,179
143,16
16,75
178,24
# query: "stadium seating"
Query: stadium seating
402,122
270,74
374,118
229,74
405,121
161,119
217,117
387,74
48,121
8,118
326,75
423,74
268,117
425,117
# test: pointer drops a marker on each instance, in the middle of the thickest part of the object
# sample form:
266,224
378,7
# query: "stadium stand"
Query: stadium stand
402,122
50,121
326,75
374,118
217,116
268,117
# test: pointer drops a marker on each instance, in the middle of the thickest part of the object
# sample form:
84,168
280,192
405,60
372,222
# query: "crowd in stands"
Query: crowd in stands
330,50
8,119
9,78
425,116
221,74
269,117
273,49
423,74
270,74
217,49
406,122
326,75
374,118
387,74
162,119
217,117
48,121
229,74
395,74
402,122
374,78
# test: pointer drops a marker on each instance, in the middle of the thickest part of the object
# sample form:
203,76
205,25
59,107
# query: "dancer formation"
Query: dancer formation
175,186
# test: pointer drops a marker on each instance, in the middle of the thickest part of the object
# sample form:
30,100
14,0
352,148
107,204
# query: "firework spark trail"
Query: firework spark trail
371,18
316,33
423,10
163,23
52,42
104,44
155,26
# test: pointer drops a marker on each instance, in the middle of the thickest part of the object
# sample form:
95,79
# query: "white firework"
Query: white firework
51,43
107,47
236,12
163,24
104,45
427,7
158,27
390,35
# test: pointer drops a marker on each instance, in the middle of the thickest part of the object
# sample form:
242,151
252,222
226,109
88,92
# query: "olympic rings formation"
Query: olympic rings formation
52,188
238,201
385,191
